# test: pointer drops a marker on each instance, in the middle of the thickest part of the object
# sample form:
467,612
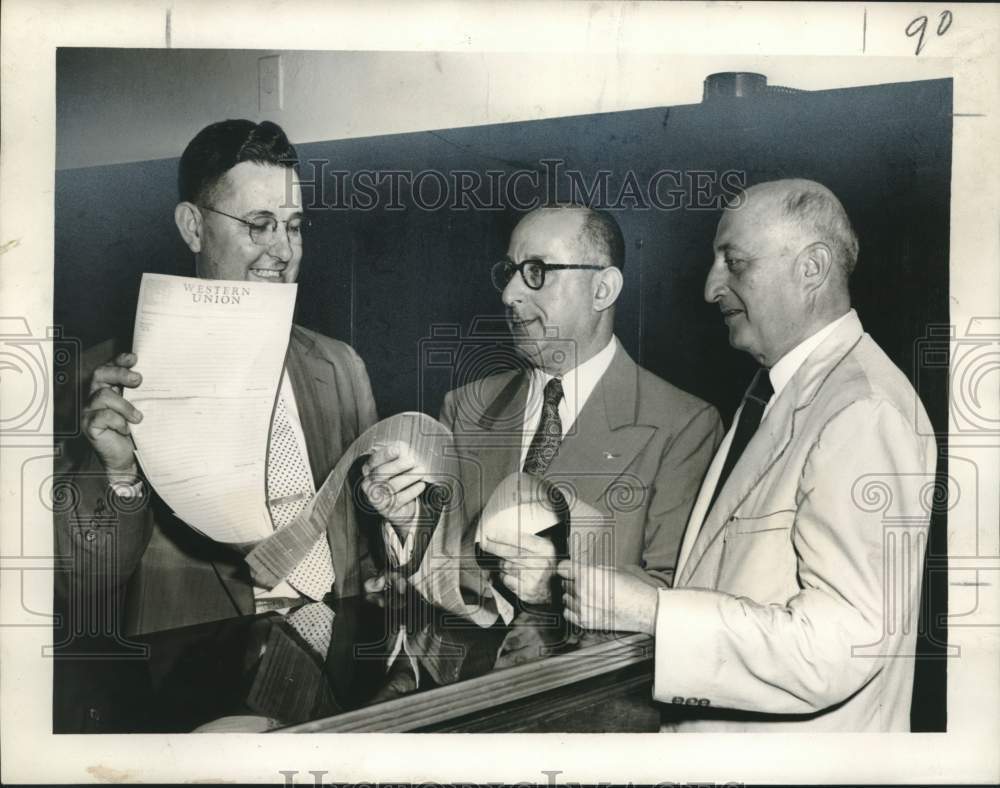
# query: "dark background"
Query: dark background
388,280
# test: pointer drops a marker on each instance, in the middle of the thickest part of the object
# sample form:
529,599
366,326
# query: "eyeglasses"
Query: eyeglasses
532,272
264,228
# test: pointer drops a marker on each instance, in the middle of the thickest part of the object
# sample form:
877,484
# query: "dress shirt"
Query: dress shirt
786,366
782,372
578,384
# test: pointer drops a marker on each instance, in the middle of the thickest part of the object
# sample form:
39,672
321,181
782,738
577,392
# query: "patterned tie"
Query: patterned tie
545,445
289,488
753,411
314,623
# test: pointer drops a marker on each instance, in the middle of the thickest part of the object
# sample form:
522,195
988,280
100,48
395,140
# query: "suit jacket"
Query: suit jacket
797,606
636,453
142,563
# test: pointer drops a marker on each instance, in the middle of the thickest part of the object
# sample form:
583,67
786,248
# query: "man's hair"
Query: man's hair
600,232
218,148
818,211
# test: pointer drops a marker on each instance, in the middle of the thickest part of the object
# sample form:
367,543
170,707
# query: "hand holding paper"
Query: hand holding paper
107,415
394,480
516,513
527,561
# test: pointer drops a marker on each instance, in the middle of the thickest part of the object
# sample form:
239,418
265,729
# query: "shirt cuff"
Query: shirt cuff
504,608
685,631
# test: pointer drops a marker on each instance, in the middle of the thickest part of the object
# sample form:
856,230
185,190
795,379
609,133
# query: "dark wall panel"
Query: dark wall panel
383,278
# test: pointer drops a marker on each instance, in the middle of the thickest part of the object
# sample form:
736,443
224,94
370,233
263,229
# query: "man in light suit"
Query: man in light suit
240,213
797,592
583,415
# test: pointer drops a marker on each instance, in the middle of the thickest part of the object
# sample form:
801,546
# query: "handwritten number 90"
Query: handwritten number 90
919,26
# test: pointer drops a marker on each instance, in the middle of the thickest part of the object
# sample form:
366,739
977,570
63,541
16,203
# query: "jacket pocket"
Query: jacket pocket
747,525
758,558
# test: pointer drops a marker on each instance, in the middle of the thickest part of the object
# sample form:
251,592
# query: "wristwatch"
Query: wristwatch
128,490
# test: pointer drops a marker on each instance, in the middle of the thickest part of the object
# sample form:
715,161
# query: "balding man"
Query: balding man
582,413
796,598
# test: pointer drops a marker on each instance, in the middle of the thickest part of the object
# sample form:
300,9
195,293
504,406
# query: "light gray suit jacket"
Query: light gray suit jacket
797,606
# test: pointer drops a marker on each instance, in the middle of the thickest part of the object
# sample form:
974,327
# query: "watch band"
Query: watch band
128,490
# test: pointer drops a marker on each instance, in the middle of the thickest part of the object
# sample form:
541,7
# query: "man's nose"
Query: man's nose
513,293
281,244
715,282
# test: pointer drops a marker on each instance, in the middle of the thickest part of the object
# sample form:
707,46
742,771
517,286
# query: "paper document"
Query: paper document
211,354
273,558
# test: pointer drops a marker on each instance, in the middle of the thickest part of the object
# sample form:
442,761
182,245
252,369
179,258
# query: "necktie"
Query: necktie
543,449
753,410
545,445
289,488
314,623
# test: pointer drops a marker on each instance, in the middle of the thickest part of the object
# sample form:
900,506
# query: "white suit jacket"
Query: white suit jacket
797,607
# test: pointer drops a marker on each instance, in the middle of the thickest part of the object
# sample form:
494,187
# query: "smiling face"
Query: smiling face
753,279
556,327
223,248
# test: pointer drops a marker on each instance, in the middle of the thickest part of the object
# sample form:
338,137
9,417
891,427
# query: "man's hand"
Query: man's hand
607,599
391,580
107,416
531,638
528,562
394,480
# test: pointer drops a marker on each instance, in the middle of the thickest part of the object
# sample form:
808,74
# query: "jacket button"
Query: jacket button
94,714
91,535
643,563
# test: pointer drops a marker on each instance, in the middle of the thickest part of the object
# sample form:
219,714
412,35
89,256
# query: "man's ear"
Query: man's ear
187,217
609,287
814,264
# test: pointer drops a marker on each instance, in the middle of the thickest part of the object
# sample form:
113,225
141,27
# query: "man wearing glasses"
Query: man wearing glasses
240,213
584,415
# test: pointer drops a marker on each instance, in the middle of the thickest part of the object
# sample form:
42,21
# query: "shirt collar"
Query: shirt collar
789,364
579,383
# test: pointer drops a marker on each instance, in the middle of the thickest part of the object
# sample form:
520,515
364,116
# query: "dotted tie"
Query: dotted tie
289,488
314,623
545,445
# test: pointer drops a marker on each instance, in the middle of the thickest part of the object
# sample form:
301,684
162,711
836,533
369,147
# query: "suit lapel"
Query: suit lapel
603,442
772,437
768,443
605,438
314,382
502,423
322,406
